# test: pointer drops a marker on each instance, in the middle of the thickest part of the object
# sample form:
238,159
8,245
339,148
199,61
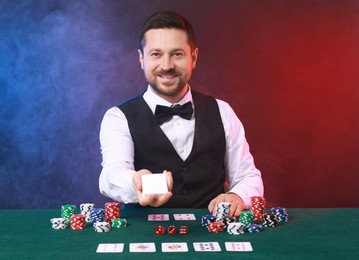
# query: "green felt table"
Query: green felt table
309,234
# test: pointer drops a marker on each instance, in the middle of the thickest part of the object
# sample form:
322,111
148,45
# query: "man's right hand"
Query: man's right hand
151,200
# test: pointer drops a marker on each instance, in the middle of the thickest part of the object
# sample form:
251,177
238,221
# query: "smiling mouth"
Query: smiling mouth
168,76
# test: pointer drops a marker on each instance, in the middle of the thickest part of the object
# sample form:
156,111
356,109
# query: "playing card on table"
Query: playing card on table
184,216
238,246
110,248
174,247
142,247
158,217
206,246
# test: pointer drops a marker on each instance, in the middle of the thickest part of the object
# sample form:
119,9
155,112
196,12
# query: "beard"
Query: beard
169,89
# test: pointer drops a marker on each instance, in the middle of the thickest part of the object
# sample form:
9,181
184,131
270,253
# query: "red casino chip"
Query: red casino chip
257,207
216,227
77,222
112,211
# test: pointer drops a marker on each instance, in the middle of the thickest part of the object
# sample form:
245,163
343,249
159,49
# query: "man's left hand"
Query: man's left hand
236,207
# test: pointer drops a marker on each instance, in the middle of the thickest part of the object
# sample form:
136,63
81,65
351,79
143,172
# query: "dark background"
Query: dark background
290,70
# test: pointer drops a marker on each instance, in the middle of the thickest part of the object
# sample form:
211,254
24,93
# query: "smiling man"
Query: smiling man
197,141
168,61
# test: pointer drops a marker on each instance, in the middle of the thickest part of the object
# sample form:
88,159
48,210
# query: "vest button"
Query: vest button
184,192
184,169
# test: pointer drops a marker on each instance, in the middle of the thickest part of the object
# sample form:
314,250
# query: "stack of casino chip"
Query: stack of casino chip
119,222
206,219
253,228
77,222
257,207
270,220
246,217
228,220
215,227
97,215
222,211
112,211
67,211
59,223
85,210
281,213
235,228
102,226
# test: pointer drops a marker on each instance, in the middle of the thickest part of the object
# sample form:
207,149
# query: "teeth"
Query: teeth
168,76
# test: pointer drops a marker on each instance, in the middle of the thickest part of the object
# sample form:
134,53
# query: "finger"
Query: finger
232,209
160,200
211,206
137,185
169,180
238,210
137,179
235,209
146,200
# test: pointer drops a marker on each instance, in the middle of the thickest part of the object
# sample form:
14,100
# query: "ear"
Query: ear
194,58
140,57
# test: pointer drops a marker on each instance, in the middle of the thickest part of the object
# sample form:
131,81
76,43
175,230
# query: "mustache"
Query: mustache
167,72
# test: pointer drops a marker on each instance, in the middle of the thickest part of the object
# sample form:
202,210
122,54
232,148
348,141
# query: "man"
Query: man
199,148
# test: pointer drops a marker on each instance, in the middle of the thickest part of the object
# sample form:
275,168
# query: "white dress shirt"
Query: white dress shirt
117,149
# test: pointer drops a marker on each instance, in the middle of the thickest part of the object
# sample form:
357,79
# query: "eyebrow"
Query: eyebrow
160,50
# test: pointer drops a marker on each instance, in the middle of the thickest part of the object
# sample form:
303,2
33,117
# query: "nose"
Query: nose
167,63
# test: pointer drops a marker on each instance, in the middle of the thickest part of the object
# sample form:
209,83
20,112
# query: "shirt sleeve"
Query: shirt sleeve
243,177
117,150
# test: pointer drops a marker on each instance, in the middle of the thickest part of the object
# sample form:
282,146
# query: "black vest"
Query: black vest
198,179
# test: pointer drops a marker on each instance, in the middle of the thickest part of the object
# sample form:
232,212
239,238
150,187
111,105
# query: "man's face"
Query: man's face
168,62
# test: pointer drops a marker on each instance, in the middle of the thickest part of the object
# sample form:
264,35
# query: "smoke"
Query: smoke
63,63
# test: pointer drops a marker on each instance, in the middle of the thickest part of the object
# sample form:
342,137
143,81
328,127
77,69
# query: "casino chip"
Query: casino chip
246,217
102,226
77,222
206,219
281,213
102,219
222,211
58,223
85,209
228,220
67,211
235,228
97,215
270,220
253,228
215,227
257,207
119,222
112,211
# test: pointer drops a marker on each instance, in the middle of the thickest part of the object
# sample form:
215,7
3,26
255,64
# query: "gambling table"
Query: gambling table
330,233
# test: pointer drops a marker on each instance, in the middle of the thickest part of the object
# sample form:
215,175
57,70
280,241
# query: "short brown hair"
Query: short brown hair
167,19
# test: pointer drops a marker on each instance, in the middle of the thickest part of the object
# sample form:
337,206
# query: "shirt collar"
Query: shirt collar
153,100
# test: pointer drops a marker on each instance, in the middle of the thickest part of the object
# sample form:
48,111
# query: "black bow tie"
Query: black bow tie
163,113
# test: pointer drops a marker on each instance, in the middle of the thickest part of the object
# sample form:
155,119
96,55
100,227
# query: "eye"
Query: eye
178,54
155,54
